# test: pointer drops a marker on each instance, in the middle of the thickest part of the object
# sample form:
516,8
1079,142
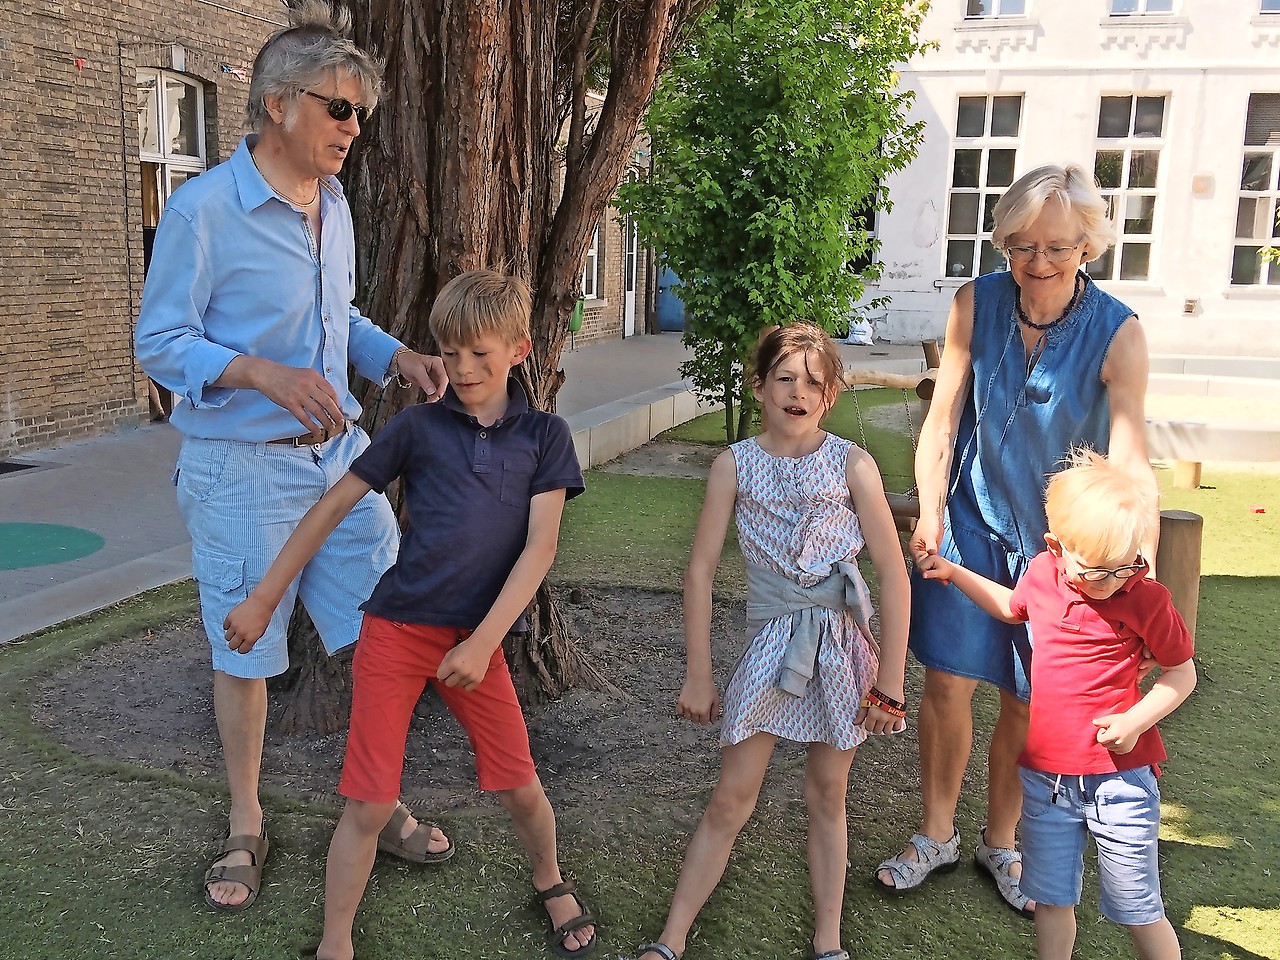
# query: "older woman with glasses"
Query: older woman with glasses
1037,359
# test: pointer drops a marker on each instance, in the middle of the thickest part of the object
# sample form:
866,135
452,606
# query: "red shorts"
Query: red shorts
393,664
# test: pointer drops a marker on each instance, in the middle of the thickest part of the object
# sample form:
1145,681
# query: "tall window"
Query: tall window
1121,8
1270,6
1259,202
591,269
632,228
982,165
170,140
996,8
1127,165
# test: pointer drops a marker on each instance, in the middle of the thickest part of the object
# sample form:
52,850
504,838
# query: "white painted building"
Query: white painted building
1175,106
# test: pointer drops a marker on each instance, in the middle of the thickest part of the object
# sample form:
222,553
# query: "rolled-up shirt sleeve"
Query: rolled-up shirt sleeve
171,342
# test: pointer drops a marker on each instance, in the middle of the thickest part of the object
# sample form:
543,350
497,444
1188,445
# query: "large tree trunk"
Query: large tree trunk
484,153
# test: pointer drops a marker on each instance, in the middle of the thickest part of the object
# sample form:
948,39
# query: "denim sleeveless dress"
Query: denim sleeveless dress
1015,429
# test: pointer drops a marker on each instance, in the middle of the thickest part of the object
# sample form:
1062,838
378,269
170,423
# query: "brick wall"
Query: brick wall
603,317
70,194
71,198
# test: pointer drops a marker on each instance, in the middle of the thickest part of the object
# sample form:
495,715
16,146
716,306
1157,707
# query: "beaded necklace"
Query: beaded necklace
1028,322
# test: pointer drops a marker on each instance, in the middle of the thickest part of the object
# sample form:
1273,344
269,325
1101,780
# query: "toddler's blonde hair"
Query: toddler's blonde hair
478,303
1097,509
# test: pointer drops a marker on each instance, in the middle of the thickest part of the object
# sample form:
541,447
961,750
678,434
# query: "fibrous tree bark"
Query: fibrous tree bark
504,131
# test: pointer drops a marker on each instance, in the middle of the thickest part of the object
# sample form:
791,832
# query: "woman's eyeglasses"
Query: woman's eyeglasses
340,108
1052,254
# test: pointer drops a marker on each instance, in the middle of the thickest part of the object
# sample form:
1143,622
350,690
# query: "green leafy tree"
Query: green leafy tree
773,133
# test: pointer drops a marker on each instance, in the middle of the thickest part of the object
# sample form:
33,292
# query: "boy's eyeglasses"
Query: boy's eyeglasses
1052,254
1098,574
340,108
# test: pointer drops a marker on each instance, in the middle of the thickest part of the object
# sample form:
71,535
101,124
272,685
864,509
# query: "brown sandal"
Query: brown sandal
248,876
413,847
556,934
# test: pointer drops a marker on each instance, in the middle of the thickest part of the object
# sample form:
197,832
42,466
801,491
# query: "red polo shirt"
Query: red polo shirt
1085,665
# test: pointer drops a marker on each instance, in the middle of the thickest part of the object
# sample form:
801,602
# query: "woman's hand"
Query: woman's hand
924,538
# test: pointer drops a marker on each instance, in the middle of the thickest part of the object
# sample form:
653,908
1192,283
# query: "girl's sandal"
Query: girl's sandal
661,949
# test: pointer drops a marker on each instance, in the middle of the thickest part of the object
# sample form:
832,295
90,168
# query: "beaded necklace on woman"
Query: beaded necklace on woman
1043,328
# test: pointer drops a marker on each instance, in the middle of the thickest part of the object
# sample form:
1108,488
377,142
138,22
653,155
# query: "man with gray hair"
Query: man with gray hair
247,316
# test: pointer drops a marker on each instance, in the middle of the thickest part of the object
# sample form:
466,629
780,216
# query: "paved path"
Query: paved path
119,487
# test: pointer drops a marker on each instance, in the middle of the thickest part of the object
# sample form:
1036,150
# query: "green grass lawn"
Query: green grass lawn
103,859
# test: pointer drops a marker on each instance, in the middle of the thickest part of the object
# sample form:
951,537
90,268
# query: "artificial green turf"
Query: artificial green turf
636,531
103,858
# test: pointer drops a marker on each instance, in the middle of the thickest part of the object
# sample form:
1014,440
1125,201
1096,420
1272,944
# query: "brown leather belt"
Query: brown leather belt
317,437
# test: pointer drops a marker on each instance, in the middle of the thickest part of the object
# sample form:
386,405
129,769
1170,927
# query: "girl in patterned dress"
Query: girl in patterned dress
804,502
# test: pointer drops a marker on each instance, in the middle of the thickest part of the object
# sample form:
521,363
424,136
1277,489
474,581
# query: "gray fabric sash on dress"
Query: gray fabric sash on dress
771,595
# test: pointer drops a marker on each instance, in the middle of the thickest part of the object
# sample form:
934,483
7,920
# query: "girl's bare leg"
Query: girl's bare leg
826,782
742,768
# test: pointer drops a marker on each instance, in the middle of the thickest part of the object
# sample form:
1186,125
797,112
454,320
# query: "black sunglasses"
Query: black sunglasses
340,108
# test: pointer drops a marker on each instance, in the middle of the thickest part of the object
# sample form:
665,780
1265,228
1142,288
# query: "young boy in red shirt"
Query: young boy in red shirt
485,480
1092,753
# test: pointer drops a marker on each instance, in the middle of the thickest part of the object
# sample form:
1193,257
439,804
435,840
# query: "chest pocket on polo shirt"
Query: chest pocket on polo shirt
517,479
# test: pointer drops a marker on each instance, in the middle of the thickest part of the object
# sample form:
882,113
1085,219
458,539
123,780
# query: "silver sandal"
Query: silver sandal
909,874
996,862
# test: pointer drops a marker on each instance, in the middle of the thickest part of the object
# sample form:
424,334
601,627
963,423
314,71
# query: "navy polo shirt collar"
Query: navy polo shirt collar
517,403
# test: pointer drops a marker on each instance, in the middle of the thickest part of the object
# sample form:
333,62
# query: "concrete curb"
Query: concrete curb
93,592
610,430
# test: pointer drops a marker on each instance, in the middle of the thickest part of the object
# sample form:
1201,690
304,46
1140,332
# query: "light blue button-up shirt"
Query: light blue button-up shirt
237,270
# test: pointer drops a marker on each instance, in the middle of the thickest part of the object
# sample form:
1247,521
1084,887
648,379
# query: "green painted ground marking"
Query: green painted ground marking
24,545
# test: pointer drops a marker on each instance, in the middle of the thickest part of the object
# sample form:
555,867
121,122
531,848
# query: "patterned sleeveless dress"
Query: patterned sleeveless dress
794,516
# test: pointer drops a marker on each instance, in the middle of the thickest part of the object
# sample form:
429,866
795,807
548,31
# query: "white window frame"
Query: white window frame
986,193
1111,265
1003,9
1142,8
1265,218
591,268
166,161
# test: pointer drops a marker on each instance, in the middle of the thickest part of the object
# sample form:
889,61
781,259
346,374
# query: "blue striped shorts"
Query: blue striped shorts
240,502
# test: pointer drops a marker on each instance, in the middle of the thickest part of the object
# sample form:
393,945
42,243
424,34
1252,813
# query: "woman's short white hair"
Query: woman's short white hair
1075,190
314,45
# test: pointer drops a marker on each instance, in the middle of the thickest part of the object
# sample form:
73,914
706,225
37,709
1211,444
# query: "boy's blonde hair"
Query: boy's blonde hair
1095,508
478,303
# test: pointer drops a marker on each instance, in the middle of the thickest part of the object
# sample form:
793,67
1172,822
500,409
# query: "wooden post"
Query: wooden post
932,354
1178,560
1186,474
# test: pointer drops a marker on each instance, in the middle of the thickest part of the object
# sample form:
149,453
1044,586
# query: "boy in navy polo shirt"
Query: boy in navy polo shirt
485,481
1092,753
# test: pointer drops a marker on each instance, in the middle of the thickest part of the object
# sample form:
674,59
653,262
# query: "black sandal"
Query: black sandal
661,949
556,934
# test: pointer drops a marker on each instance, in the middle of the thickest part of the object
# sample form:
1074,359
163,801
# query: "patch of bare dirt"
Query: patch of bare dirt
149,701
666,459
